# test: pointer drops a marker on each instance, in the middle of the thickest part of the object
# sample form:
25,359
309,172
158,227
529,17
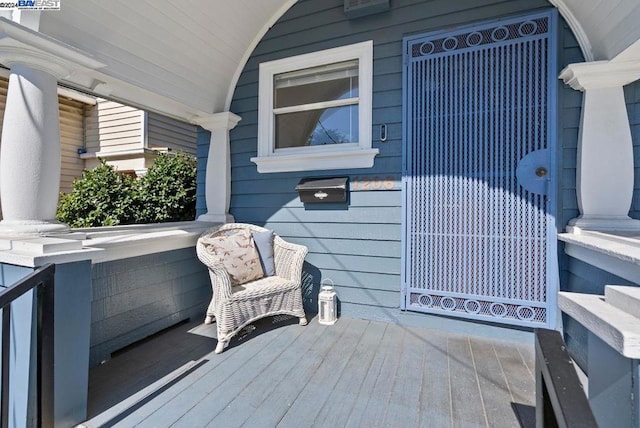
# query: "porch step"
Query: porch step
122,409
624,298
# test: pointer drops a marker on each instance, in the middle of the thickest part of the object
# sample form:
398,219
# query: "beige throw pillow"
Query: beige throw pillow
238,255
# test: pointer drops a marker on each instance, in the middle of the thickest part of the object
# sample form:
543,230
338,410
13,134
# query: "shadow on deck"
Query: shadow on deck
276,373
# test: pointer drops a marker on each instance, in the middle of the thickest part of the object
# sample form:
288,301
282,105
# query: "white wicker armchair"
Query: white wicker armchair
233,307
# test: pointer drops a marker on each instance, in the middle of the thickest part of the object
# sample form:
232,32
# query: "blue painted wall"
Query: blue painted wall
202,152
358,245
72,312
135,298
582,277
21,352
72,331
632,97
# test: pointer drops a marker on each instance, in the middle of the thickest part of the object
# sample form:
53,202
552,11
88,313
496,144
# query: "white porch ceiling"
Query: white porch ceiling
183,57
177,56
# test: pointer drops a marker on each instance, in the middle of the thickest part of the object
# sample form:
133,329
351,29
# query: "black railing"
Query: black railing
560,399
43,281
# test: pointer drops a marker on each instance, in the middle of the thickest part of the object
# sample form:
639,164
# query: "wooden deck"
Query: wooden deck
355,373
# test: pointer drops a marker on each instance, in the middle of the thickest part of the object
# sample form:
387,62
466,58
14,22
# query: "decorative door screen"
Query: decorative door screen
478,168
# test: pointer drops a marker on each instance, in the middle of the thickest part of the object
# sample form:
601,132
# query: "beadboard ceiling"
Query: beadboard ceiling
182,57
175,55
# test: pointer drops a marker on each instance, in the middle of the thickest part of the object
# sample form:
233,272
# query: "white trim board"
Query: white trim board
340,156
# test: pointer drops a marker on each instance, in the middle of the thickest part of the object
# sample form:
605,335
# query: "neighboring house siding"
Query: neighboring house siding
126,137
165,132
357,245
137,297
113,127
4,86
71,138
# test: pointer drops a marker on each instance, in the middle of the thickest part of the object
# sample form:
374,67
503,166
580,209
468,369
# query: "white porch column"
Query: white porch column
30,151
605,149
218,173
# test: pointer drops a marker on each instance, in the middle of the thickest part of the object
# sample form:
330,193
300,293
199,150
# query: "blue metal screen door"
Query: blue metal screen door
478,160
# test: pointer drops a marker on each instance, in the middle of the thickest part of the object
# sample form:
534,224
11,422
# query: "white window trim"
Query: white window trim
341,156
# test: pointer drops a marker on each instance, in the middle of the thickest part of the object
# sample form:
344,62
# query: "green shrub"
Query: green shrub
104,197
101,197
168,191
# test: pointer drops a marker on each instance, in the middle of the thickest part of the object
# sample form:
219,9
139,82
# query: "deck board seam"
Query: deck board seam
384,335
309,345
324,404
279,332
227,358
475,371
297,333
324,355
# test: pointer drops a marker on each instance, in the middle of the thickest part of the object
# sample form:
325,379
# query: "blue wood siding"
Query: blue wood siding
632,97
358,245
137,297
582,277
569,108
202,152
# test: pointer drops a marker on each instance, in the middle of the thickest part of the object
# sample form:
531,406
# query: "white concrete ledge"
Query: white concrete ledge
613,325
102,244
615,252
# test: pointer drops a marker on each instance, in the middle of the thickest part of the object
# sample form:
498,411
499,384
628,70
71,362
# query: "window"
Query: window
314,111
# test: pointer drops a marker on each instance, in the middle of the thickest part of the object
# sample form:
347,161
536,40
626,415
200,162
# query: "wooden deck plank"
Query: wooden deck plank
219,397
142,365
435,397
274,407
520,379
212,362
200,388
317,390
404,403
165,400
493,385
356,373
336,410
467,405
375,392
267,383
382,392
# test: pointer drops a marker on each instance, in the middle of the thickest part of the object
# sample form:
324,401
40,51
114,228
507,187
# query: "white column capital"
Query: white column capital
218,121
600,74
21,46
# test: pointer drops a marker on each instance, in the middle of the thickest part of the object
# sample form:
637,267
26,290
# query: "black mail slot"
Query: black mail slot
322,190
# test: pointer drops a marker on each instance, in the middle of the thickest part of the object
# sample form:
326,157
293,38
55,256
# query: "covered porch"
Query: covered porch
354,373
200,64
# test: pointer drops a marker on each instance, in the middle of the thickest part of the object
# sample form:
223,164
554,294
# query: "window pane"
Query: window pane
334,125
317,84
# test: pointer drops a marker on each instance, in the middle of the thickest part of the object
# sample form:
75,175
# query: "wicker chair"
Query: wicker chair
233,307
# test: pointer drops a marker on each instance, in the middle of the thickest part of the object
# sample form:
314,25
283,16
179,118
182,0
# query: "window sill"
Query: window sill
342,159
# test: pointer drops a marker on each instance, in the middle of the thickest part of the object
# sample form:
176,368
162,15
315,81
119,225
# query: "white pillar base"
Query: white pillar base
26,228
216,218
602,224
